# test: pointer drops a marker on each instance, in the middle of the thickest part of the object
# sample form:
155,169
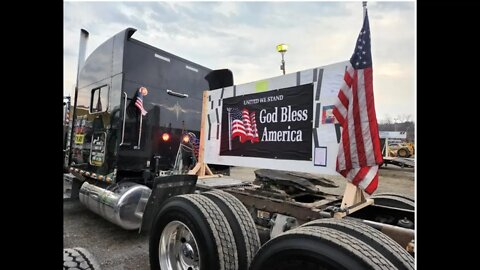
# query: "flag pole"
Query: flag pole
229,129
353,197
201,169
140,131
364,4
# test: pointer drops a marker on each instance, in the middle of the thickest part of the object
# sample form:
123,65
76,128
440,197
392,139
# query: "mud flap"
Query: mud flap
75,189
164,188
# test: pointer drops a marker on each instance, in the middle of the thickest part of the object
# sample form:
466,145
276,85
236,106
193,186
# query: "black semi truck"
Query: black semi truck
111,140
133,168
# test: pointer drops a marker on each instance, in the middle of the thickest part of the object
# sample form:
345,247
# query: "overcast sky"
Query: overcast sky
242,36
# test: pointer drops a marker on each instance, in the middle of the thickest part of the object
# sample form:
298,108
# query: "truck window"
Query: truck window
99,99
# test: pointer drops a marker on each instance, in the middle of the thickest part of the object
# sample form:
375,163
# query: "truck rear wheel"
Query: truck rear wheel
241,223
394,200
313,248
390,249
406,197
191,233
79,258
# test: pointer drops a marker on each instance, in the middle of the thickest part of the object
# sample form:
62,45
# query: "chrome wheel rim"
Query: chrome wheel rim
177,248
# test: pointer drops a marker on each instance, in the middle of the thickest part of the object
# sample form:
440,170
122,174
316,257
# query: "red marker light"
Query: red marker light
165,137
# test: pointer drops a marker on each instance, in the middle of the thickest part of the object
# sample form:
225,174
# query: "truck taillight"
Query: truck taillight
165,137
186,139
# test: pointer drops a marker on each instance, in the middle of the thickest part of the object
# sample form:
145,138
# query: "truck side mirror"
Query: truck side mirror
219,78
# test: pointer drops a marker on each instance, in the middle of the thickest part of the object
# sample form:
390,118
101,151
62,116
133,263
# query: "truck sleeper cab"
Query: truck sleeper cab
111,140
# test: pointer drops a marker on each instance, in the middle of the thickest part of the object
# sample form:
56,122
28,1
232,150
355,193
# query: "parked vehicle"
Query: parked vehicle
403,149
132,149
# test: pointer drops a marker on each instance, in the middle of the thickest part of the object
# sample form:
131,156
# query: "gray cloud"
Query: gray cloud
389,6
159,12
242,36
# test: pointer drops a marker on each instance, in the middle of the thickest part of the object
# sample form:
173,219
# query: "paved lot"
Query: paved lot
115,248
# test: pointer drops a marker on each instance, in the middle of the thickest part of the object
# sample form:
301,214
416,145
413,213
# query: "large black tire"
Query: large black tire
403,152
314,248
394,200
208,225
390,249
79,258
241,223
407,197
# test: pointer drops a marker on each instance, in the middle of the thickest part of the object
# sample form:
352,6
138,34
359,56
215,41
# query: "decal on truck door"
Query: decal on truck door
97,150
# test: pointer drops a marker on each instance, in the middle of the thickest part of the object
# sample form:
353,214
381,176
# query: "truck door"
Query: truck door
100,121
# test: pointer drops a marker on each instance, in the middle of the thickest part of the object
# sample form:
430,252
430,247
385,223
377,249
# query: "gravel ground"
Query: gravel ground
115,248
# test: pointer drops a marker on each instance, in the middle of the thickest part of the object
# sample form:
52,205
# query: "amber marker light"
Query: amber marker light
165,137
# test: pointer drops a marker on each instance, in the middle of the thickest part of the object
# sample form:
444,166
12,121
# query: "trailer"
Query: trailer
401,160
147,127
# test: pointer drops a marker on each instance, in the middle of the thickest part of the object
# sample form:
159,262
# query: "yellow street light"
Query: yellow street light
282,48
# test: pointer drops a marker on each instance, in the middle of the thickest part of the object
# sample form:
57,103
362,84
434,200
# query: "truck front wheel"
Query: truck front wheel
241,223
191,233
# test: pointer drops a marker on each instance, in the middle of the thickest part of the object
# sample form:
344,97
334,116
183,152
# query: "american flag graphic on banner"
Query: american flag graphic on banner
139,102
244,125
359,153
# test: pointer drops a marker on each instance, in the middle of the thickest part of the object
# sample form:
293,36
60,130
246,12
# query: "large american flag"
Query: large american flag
359,154
244,125
139,102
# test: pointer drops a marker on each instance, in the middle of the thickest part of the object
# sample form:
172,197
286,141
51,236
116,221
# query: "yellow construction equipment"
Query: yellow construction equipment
404,150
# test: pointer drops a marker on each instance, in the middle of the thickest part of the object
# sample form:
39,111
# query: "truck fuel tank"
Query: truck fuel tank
122,204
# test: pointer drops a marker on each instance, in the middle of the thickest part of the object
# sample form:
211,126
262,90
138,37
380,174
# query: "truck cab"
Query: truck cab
111,140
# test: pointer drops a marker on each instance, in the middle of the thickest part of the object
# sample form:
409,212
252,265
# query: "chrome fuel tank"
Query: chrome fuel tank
122,204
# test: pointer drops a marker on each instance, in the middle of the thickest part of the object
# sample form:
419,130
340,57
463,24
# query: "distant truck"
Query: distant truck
133,170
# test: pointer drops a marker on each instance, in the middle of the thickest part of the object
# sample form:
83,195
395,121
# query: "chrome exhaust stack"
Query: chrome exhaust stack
122,204
82,50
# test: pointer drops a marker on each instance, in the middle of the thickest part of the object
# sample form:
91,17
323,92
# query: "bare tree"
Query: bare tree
401,122
387,119
404,118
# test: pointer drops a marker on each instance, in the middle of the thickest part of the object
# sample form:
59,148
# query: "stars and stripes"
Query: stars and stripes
196,144
244,125
139,102
359,154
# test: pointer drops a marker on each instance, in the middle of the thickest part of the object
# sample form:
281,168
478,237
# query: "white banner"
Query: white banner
393,134
269,105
